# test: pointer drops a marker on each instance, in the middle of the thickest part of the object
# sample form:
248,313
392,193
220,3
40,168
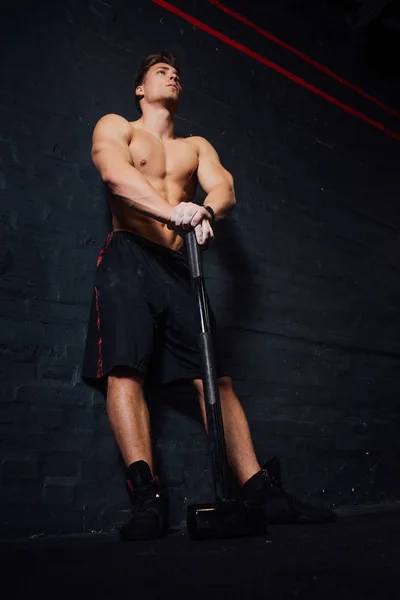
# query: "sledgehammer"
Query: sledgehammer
226,516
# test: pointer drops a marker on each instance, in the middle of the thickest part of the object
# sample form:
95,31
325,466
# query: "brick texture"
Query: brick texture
303,277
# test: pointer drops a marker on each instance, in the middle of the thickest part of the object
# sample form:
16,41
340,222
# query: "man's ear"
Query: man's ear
139,91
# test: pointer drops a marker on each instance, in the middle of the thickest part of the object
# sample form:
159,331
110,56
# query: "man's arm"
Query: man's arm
216,181
112,158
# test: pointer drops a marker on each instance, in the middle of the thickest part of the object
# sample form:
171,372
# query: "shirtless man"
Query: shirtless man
143,321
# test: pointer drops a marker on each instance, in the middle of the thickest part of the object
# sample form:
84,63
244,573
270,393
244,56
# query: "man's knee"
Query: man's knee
224,383
125,376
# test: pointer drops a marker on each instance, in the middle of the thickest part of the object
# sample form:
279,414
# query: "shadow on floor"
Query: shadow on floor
356,558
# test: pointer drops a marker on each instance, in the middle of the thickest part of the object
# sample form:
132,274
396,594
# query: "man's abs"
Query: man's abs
171,168
125,218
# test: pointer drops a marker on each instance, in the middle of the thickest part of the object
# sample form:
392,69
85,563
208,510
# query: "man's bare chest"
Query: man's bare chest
175,160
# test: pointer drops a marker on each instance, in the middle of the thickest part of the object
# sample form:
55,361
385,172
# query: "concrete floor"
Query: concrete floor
356,558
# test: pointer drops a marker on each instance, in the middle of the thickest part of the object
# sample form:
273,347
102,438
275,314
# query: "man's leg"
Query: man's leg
239,446
129,416
130,423
258,484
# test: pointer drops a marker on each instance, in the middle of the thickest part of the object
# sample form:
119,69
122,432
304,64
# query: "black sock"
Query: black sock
255,483
138,474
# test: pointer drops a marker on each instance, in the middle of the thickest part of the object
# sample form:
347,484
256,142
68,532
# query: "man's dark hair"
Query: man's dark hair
150,61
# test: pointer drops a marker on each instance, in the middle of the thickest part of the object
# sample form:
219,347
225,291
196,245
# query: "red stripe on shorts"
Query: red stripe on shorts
100,342
104,248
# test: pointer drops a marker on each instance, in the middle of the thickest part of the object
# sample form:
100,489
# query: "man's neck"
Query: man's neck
159,121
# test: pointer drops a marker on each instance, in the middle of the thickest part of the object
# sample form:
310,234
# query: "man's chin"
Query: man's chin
171,103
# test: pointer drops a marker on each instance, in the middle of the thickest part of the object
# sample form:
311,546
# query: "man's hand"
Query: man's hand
204,234
188,216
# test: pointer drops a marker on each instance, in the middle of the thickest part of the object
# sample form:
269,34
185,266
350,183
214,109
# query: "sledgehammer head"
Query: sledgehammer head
224,520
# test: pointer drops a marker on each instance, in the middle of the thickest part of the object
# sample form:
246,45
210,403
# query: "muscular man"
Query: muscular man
144,319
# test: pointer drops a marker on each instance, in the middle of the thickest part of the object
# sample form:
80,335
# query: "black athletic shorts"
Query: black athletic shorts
144,313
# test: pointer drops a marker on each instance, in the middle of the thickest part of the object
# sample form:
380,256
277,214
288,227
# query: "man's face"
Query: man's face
161,84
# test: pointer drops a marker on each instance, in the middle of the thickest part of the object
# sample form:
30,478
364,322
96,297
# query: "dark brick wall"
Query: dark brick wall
303,276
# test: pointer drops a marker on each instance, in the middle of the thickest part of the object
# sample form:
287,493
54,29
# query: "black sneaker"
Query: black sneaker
148,520
265,487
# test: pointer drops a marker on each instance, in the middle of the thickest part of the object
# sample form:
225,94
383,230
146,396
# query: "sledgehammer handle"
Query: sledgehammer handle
210,382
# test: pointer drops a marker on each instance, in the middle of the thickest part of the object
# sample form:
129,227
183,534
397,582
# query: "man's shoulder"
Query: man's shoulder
112,119
198,141
112,124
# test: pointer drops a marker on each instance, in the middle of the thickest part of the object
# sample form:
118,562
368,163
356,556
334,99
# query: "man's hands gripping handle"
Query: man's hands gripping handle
187,216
